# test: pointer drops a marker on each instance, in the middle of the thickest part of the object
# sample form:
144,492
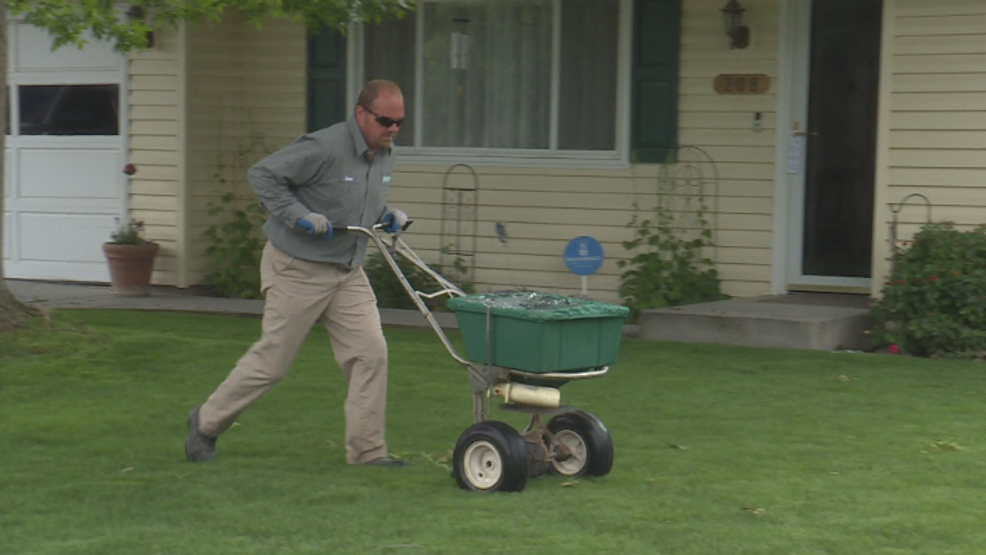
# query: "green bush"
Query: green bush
667,268
236,244
669,263
391,294
236,241
934,302
388,289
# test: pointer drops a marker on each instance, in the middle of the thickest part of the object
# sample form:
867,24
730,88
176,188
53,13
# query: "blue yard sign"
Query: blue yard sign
584,255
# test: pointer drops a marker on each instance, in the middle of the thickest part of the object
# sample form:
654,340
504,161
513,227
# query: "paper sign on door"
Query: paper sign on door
795,154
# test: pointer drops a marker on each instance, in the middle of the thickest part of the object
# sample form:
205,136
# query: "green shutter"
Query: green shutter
656,48
326,78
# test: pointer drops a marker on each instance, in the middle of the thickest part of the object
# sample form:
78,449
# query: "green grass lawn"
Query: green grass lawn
719,450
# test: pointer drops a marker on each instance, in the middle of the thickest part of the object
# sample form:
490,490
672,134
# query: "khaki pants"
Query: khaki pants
298,293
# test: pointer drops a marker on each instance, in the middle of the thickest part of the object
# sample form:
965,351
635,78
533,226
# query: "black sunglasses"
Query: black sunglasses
384,121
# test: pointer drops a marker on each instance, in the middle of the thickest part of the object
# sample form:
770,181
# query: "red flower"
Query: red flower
893,348
130,169
932,277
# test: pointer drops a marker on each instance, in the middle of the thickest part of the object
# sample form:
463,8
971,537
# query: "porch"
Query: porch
819,321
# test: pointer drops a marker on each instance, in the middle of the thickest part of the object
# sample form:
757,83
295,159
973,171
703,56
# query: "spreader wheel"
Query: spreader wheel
582,445
491,456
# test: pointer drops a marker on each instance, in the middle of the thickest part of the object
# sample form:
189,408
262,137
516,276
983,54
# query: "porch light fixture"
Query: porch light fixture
732,16
137,13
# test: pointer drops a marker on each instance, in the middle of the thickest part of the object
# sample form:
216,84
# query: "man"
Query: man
338,175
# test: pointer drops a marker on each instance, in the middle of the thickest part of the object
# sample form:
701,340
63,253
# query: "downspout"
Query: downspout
181,218
125,118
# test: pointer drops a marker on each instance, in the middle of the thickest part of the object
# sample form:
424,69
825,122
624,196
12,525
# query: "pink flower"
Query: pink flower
894,349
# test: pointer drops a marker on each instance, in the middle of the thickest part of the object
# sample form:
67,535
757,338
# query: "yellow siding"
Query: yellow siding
935,143
246,96
246,99
154,139
722,125
544,208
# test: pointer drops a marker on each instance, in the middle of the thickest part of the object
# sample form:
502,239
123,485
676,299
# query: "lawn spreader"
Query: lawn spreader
521,347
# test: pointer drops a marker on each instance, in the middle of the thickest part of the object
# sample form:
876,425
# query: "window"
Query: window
535,75
69,109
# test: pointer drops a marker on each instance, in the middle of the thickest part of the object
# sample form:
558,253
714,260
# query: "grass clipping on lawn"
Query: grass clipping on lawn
718,450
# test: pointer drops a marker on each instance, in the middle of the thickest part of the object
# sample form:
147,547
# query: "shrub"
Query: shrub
666,269
388,289
236,244
236,241
934,302
391,294
669,265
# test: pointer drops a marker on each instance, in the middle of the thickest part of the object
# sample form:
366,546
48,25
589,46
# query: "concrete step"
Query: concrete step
819,321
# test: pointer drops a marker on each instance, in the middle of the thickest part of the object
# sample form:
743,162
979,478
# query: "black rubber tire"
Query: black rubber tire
588,436
491,456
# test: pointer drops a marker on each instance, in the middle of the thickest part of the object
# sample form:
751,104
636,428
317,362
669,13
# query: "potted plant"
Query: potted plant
131,259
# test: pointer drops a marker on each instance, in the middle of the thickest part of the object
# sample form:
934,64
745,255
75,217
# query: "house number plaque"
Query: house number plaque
741,83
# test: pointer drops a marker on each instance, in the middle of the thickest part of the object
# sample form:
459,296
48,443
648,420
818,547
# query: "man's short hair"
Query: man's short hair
373,89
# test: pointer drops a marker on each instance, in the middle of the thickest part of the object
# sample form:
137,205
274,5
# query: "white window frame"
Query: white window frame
617,158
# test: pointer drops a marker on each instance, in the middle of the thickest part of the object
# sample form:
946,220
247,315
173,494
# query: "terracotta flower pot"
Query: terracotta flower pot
131,267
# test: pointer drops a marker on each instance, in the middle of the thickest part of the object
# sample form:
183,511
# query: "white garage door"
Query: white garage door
64,184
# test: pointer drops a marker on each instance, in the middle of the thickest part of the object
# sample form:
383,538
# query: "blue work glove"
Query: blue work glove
316,224
394,221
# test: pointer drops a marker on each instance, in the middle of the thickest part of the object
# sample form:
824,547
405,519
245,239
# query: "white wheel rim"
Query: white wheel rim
576,446
482,464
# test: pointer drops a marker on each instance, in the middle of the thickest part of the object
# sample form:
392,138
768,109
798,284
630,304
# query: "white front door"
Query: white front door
64,185
831,142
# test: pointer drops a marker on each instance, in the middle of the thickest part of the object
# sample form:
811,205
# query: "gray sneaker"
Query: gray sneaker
199,447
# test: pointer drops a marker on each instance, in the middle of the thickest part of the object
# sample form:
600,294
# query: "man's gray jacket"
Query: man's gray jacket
329,172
